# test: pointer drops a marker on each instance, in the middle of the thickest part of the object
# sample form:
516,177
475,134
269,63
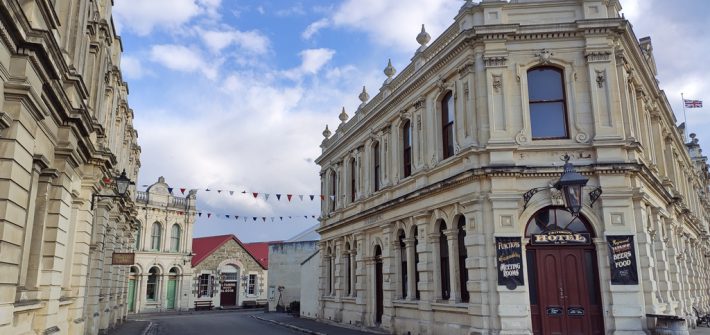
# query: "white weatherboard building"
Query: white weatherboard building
442,215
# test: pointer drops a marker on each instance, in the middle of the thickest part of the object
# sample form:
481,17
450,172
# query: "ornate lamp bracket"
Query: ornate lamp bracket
594,195
530,193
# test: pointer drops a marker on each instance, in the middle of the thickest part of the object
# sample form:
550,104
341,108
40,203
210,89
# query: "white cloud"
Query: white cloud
294,10
142,16
396,23
250,41
181,58
314,28
312,60
131,67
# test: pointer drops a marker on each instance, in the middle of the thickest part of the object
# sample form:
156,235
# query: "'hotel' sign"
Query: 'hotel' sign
123,258
560,237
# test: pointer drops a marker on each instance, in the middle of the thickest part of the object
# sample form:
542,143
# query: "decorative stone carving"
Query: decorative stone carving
544,56
581,137
419,104
343,116
423,38
326,132
600,78
521,137
597,56
389,71
497,82
496,61
364,97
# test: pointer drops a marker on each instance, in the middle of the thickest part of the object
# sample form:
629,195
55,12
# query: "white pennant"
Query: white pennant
301,196
332,198
231,192
266,196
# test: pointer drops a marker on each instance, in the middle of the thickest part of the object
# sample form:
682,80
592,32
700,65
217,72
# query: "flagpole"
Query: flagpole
685,119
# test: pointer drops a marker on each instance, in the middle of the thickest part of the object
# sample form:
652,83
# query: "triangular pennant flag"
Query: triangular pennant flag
199,214
332,198
244,192
236,217
289,217
305,216
322,197
281,218
301,196
289,197
170,190
312,196
207,189
179,213
245,219
227,216
266,196
313,216
219,191
272,219
278,197
107,180
255,195
254,218
182,190
231,192
208,215
263,218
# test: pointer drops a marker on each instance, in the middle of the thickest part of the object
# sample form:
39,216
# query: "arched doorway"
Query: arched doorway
379,306
230,282
172,287
562,274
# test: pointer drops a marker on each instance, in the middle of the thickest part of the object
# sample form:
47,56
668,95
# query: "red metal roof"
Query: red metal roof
202,247
260,251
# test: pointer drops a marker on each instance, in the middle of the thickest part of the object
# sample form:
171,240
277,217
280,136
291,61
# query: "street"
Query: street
214,323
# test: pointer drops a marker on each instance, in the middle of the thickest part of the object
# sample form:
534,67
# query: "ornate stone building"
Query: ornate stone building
442,215
161,279
66,132
228,273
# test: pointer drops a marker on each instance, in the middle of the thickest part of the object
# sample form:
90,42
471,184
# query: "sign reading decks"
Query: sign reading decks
123,258
560,237
509,261
622,260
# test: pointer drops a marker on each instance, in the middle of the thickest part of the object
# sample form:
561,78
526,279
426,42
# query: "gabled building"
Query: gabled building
444,212
229,273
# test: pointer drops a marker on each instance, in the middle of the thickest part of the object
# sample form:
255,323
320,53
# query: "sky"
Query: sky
233,95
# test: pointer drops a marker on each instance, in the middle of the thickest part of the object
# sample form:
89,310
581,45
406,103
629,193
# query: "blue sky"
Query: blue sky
234,95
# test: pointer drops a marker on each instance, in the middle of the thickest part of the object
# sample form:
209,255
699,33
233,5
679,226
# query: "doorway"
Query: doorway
229,285
379,306
172,285
562,274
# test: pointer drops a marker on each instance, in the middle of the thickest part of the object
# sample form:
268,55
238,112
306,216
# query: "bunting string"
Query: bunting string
239,217
289,197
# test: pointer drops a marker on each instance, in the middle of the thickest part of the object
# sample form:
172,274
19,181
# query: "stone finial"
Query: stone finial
423,38
363,95
343,116
390,70
326,132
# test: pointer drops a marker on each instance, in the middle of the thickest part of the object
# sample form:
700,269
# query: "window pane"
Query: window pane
545,84
547,120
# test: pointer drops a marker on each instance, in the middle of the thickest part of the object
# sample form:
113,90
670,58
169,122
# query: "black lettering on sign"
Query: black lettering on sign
622,260
509,261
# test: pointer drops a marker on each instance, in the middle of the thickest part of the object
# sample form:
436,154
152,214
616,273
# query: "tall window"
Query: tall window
152,286
376,158
463,254
333,190
330,271
203,287
416,261
348,281
444,259
403,257
447,125
155,237
252,284
353,185
546,93
138,238
175,238
407,149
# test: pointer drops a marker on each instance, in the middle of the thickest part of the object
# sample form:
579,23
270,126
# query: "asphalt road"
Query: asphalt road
214,324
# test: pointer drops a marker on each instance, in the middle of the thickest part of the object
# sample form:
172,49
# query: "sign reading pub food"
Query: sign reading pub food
622,260
509,261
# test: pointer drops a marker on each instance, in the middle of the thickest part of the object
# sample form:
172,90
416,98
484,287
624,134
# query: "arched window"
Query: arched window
403,258
463,254
546,93
447,125
175,238
155,237
151,288
138,238
407,149
376,165
444,259
333,190
353,185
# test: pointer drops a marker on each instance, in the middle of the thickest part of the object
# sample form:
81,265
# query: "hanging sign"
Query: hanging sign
560,237
123,258
509,262
622,260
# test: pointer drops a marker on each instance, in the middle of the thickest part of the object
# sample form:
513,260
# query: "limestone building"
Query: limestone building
161,279
441,214
66,133
228,273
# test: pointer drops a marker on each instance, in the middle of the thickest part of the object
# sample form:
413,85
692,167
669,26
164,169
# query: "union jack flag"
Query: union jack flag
693,103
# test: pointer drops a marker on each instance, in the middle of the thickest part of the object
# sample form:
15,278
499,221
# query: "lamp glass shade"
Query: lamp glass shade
122,183
571,184
573,198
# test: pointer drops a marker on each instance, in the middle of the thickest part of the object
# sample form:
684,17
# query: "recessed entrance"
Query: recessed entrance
563,274
228,289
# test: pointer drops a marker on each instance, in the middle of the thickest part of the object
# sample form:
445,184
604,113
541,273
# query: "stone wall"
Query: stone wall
285,269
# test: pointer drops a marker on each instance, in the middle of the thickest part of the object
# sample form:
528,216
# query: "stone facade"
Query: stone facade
426,175
65,133
163,251
229,263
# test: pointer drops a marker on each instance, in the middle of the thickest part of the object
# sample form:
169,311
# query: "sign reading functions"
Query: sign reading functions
509,262
123,258
622,260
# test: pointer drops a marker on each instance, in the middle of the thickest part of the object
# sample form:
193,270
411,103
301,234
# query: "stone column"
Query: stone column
425,267
645,258
452,240
96,258
411,268
397,280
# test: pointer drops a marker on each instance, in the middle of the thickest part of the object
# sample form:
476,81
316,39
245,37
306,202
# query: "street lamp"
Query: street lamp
122,183
571,184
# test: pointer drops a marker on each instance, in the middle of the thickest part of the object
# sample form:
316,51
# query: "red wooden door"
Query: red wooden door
567,291
228,295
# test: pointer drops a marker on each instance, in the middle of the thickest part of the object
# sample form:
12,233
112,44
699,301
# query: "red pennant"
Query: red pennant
107,180
182,190
289,196
255,195
179,213
322,197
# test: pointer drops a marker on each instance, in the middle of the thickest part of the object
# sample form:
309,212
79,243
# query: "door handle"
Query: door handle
562,294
